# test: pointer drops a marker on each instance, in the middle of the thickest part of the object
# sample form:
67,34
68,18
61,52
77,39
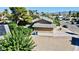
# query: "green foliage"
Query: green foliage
6,16
56,21
75,14
12,25
33,15
19,40
20,12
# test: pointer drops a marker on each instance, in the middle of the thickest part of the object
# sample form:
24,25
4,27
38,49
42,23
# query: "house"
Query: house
42,25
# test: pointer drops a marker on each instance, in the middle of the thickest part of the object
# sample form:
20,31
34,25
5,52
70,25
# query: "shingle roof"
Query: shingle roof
43,25
42,18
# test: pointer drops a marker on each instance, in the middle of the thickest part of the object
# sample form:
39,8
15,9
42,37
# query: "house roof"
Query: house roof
43,25
35,20
43,22
46,18
42,18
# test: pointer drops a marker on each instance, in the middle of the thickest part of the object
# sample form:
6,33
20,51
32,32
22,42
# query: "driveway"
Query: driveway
57,41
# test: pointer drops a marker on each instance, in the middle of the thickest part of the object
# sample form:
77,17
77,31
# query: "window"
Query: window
4,29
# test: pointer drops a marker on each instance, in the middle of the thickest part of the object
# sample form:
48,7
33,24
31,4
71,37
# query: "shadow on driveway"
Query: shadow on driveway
71,33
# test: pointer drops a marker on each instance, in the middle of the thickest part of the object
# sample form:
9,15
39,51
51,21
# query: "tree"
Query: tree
42,13
69,13
19,40
20,13
77,14
56,21
59,13
35,11
31,12
34,16
5,16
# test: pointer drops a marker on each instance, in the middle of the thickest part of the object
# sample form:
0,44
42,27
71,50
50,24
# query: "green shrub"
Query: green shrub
19,40
56,21
12,25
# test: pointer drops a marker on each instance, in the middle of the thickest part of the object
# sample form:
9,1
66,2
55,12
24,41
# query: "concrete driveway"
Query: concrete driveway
46,43
57,41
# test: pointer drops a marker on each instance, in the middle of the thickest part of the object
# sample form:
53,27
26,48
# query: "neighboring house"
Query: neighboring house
42,25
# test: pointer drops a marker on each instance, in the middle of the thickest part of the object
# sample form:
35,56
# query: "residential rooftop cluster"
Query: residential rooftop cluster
31,30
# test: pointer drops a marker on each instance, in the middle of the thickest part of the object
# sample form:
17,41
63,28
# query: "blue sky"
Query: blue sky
48,9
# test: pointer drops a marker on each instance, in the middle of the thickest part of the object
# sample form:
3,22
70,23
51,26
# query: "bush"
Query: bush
12,25
19,40
56,21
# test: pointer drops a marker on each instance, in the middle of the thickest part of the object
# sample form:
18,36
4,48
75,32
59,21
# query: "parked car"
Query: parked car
65,26
34,33
72,22
77,25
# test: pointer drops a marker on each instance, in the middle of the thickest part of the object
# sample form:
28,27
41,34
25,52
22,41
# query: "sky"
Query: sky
48,9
